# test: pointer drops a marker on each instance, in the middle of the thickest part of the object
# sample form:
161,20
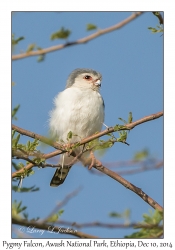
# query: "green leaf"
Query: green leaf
123,136
20,165
30,172
15,41
118,127
17,139
17,166
25,216
61,34
69,135
60,212
13,133
152,226
122,120
24,189
41,58
130,118
104,145
154,30
115,214
140,155
31,47
17,209
91,26
54,217
14,111
77,144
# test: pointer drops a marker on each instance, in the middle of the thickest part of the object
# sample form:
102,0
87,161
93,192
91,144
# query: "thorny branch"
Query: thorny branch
80,41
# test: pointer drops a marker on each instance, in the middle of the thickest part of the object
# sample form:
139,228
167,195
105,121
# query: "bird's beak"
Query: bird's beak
97,83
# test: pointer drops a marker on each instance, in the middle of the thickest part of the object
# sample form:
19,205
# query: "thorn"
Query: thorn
105,125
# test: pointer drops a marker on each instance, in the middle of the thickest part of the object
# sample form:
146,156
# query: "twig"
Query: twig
107,225
130,186
80,41
30,165
128,126
158,15
43,165
61,204
143,168
39,137
50,228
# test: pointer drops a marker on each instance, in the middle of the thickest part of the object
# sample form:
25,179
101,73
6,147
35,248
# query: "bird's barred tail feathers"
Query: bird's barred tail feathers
59,176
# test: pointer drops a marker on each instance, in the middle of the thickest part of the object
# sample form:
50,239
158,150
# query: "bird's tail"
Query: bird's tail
62,172
59,176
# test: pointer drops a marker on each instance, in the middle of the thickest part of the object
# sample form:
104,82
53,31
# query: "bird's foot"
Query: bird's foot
67,147
94,161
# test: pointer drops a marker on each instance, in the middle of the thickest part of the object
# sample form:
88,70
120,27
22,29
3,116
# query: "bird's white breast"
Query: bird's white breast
78,110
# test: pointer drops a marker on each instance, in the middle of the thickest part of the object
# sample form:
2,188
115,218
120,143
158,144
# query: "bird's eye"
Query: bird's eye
87,77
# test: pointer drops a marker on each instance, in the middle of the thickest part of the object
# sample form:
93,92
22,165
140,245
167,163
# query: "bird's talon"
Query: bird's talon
67,147
94,161
90,166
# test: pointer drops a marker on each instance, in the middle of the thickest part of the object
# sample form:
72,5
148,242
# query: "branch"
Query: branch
61,204
31,165
130,186
158,15
128,126
114,176
108,225
80,41
56,145
140,169
52,229
39,137
43,165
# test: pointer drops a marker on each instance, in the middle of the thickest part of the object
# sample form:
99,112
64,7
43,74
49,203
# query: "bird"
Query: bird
79,110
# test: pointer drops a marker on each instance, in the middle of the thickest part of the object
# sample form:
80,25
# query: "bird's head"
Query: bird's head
84,78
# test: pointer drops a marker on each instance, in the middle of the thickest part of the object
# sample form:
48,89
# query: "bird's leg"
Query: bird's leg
94,161
62,164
